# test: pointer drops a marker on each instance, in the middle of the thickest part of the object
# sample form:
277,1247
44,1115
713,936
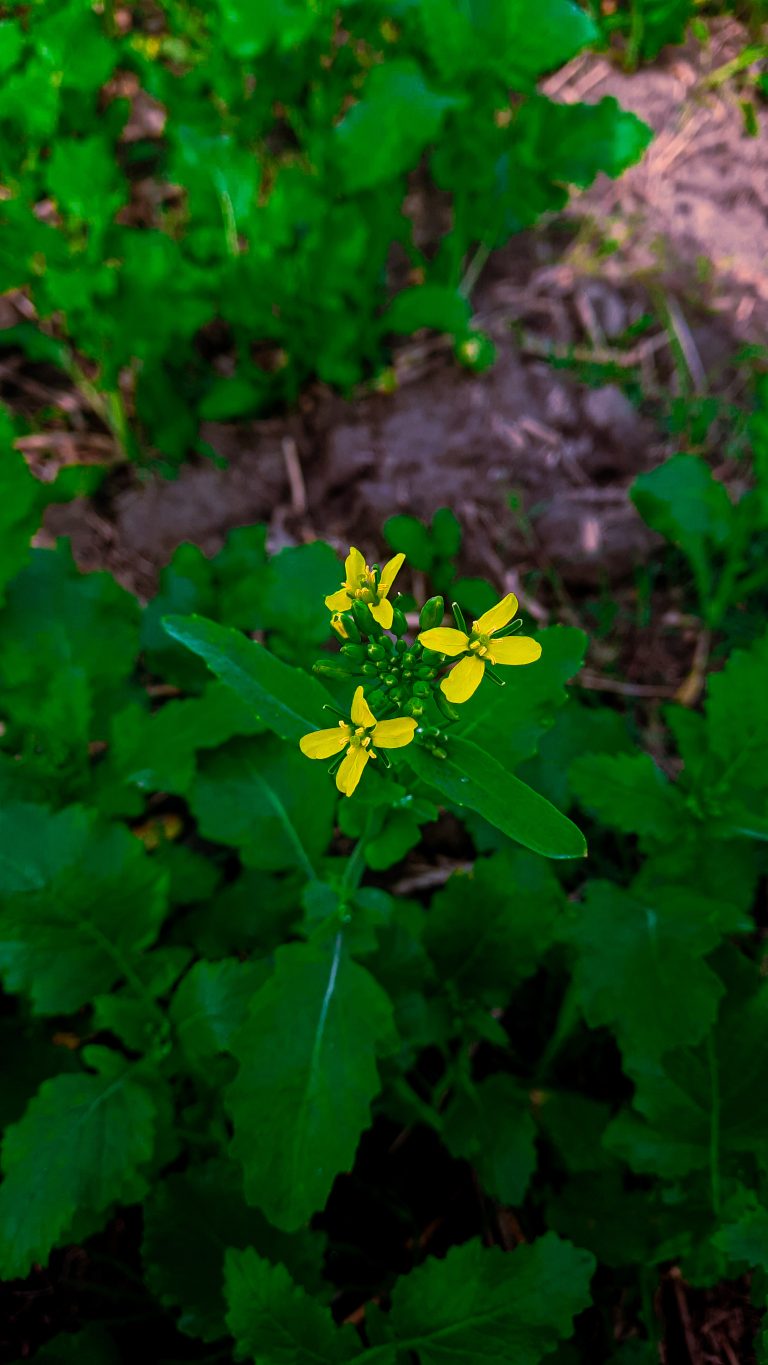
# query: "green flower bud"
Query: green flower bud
377,699
377,652
352,651
399,623
401,647
429,656
432,613
414,707
421,689
391,679
370,670
447,708
425,671
365,622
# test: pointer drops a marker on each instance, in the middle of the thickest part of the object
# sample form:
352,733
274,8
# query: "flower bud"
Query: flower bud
377,652
365,622
432,613
421,689
370,670
399,623
447,708
352,651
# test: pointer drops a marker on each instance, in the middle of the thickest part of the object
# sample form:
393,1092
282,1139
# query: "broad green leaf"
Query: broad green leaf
268,801
627,792
296,583
80,1147
572,143
509,721
437,306
500,35
745,1240
35,844
287,700
383,135
481,1306
469,776
684,502
490,1125
211,1003
578,729
80,930
277,1323
489,928
711,1094
190,1219
639,965
737,728
299,1107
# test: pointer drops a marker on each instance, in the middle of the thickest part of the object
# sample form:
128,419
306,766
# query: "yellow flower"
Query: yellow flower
480,648
362,584
361,739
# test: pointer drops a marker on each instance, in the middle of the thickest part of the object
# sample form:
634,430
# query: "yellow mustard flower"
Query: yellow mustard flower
363,585
362,737
480,648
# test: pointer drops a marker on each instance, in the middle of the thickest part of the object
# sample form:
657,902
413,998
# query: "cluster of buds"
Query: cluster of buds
401,676
400,681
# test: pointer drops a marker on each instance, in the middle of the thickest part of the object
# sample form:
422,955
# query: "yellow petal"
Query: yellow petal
517,649
394,734
382,612
464,679
325,743
354,567
445,640
361,712
389,573
351,769
339,601
498,616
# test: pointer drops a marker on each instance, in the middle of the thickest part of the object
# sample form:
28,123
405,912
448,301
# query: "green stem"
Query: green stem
355,868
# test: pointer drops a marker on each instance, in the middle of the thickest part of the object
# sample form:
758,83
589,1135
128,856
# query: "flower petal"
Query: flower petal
517,649
325,743
498,616
351,769
382,612
445,640
361,712
464,679
388,574
339,601
394,734
354,567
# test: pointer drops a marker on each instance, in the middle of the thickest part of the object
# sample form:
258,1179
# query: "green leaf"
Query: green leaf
189,1221
285,699
409,536
704,1108
468,776
499,35
509,721
428,305
383,134
79,1147
268,801
627,792
573,143
489,929
745,1240
490,1125
79,931
639,967
277,1323
307,1077
20,504
211,1004
482,1306
684,502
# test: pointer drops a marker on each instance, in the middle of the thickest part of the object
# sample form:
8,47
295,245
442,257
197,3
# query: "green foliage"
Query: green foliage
233,996
250,167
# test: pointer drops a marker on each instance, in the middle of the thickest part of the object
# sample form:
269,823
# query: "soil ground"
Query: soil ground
606,322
